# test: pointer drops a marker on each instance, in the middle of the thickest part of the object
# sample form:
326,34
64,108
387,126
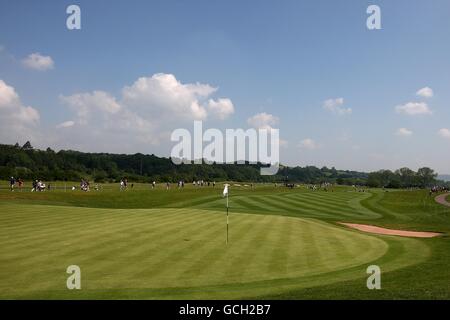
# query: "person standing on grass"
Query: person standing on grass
12,182
153,185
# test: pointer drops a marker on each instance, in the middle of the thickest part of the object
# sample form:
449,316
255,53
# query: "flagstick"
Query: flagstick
227,217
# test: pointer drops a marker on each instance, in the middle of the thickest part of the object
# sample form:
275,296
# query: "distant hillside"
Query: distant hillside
28,163
444,177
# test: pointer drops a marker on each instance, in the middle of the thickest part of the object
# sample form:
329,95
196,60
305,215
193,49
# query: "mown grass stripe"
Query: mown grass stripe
215,256
317,208
98,231
210,228
247,250
327,202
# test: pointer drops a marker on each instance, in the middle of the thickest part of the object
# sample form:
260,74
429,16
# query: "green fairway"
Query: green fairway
165,244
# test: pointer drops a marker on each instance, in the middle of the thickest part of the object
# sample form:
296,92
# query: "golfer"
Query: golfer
12,182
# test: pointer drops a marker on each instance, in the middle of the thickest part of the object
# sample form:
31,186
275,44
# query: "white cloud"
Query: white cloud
413,108
444,133
263,120
403,132
163,95
87,104
36,61
425,92
8,96
221,108
335,106
145,112
66,124
17,121
308,143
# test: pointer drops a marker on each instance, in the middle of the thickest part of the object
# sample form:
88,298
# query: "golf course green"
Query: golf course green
171,244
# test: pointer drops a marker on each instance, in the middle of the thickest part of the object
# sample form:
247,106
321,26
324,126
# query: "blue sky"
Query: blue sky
283,59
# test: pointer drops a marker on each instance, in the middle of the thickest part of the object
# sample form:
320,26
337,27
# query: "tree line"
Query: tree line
28,163
404,178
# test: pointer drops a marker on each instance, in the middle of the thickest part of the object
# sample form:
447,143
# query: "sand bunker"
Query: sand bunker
442,199
391,232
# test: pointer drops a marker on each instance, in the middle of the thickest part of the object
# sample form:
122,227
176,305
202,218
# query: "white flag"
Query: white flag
225,190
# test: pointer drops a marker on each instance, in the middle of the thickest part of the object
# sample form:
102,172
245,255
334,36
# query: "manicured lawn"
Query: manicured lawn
165,244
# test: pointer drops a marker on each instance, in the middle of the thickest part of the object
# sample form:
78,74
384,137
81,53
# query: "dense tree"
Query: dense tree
27,146
403,178
427,177
29,163
407,177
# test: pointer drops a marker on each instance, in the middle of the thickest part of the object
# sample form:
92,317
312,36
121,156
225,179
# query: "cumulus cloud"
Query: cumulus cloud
221,108
308,143
8,96
336,106
38,62
444,133
425,92
263,120
164,95
65,124
87,104
145,111
413,108
16,120
403,132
